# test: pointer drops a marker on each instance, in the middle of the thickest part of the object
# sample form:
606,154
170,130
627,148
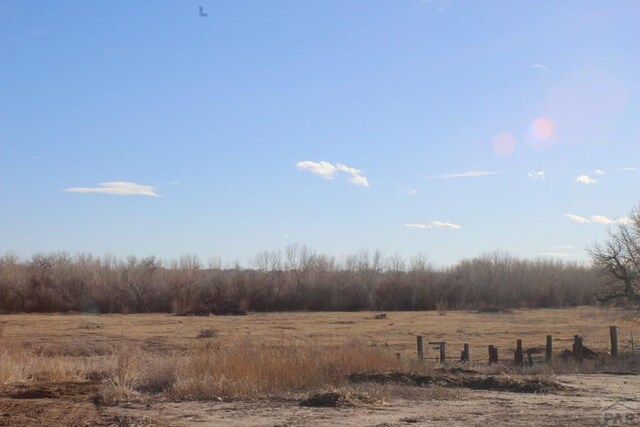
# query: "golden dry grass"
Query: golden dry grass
263,354
62,334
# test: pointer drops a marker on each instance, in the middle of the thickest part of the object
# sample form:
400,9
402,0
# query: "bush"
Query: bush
206,333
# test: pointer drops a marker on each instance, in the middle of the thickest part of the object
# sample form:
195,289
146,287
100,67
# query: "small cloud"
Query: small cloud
558,254
628,169
117,188
359,180
285,236
577,218
598,219
433,224
441,224
601,219
329,170
344,168
418,226
324,169
585,179
540,67
536,175
599,172
467,174
413,192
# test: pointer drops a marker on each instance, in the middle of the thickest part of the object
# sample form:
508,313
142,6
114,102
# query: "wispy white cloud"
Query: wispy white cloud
359,180
540,67
440,224
598,219
117,188
628,169
467,174
577,218
413,192
434,224
344,168
601,219
324,169
599,172
328,170
558,254
537,175
585,179
419,226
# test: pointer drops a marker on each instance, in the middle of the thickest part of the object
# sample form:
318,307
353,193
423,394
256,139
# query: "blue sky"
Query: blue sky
143,128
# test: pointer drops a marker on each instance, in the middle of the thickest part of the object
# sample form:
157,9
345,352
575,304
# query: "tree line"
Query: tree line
294,279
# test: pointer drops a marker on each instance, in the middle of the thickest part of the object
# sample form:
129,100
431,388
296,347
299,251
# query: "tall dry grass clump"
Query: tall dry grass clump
19,365
12,367
247,369
124,376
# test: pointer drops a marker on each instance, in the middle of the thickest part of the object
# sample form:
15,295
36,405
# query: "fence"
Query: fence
576,348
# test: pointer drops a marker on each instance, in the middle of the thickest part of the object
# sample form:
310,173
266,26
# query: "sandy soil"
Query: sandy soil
585,403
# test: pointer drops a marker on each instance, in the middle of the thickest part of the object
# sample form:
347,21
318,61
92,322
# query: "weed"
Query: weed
206,333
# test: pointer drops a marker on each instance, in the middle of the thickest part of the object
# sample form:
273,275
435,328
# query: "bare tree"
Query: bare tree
619,259
269,264
184,276
137,282
299,260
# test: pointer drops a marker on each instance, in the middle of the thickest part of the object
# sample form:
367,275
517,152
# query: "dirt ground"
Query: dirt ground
587,401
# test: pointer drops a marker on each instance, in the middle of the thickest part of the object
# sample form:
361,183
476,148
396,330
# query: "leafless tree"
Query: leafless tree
619,259
183,278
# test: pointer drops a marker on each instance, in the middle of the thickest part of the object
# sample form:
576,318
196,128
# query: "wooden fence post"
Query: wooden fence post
420,348
613,331
443,353
548,354
519,356
490,355
577,348
495,354
465,353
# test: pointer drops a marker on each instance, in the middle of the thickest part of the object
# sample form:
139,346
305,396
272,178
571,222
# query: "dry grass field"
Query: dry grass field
86,334
159,369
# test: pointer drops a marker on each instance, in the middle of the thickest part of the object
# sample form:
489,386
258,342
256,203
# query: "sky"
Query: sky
447,128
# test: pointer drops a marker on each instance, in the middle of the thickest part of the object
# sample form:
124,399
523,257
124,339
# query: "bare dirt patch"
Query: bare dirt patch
581,404
517,384
61,404
334,399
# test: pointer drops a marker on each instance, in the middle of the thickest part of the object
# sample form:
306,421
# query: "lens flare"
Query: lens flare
504,144
542,133
543,128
